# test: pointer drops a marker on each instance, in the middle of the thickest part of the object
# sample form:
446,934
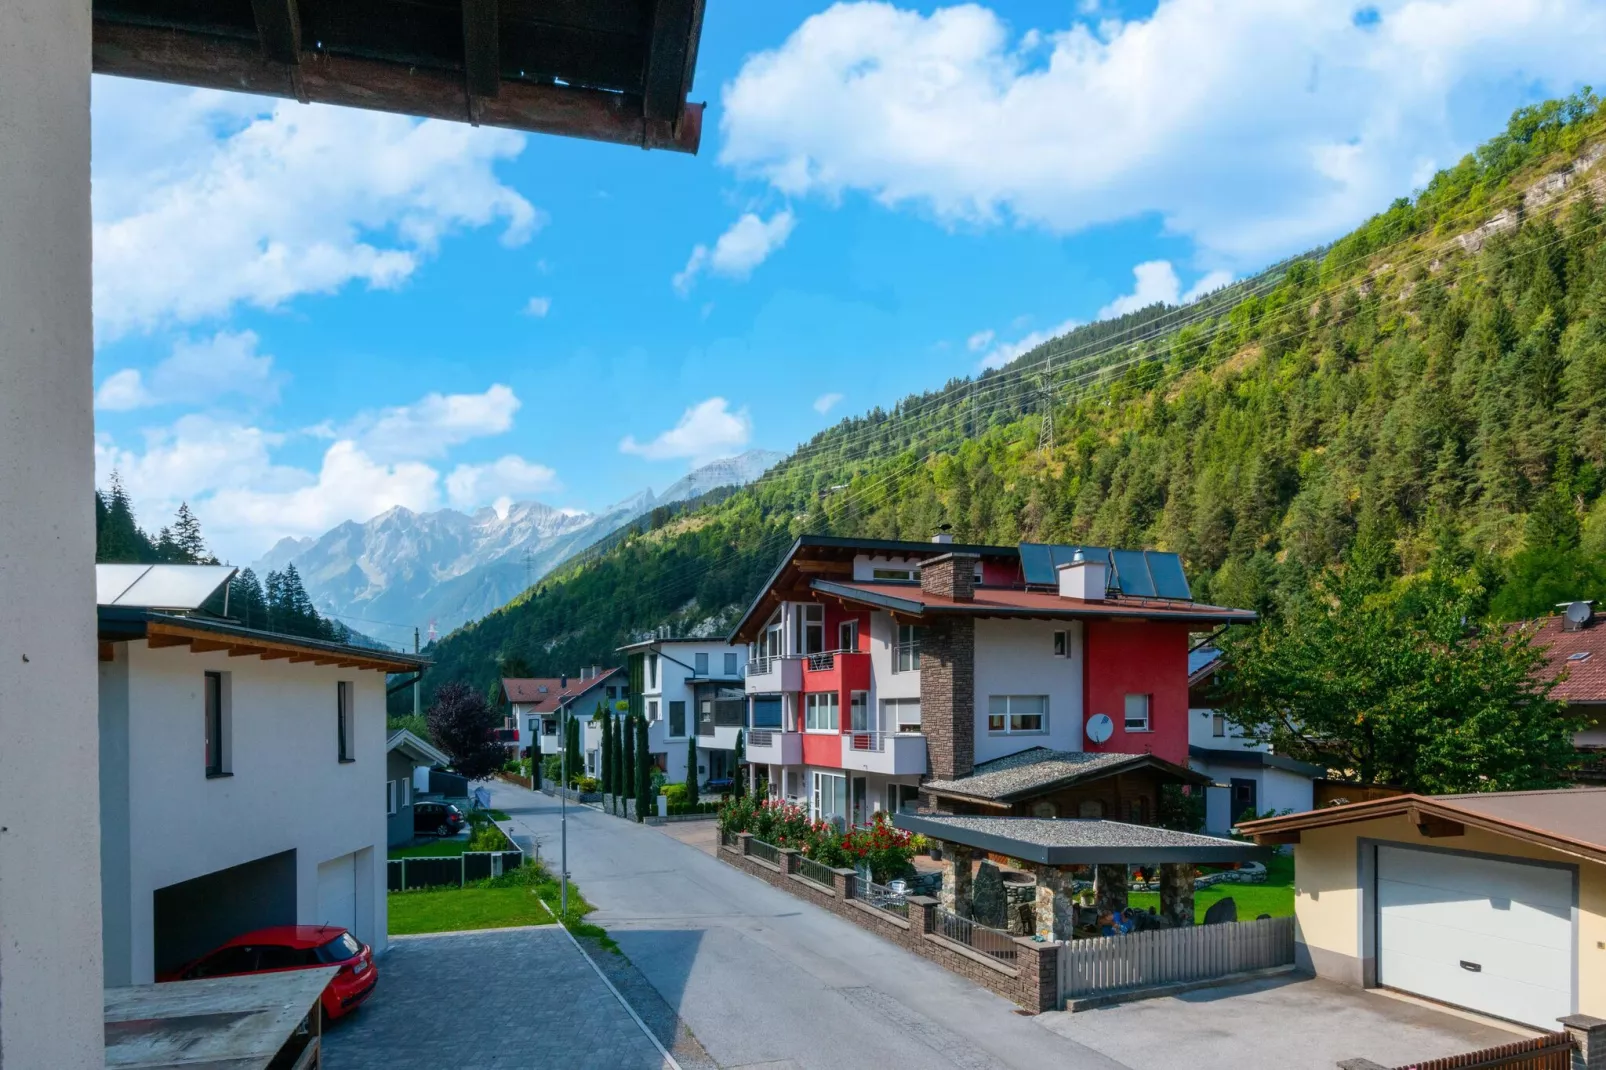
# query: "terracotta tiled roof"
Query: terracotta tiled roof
1578,656
1014,601
543,693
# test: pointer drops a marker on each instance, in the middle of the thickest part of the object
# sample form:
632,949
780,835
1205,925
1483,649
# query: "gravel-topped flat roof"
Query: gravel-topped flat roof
1078,841
1038,769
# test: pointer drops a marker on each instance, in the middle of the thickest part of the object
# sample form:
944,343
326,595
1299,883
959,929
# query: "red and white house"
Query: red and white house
877,667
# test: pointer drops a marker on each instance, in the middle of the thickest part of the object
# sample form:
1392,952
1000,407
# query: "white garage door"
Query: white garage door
337,892
1495,937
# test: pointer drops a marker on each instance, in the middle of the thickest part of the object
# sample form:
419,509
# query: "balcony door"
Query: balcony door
829,799
847,635
810,629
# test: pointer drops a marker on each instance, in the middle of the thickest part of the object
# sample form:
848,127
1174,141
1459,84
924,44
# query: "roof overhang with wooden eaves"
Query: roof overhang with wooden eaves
204,636
606,70
1445,817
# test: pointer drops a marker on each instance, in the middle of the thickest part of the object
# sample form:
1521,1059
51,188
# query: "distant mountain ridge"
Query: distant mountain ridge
402,568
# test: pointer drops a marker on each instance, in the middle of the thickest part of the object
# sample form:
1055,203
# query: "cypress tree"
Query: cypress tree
737,784
605,722
535,758
618,730
643,769
630,753
571,743
691,771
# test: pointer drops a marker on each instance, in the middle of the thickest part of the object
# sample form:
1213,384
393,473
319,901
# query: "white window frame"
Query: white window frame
652,710
390,798
859,703
817,781
1007,717
699,662
733,665
1062,644
219,724
820,716
811,616
1218,725
847,635
652,670
404,792
669,720
895,715
899,574
1146,724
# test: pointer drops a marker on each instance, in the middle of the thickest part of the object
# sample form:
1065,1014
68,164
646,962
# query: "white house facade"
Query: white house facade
691,689
241,774
536,705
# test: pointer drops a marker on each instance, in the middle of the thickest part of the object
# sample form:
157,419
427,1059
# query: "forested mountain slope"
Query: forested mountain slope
1439,374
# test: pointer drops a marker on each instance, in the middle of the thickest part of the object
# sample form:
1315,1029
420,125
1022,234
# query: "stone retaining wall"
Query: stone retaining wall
1032,982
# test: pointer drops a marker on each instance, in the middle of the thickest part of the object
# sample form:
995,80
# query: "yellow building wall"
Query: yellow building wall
1328,898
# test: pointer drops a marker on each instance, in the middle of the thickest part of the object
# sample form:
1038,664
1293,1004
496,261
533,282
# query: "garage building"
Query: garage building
1492,902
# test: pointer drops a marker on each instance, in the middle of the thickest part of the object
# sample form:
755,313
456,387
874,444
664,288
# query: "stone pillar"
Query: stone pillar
846,883
1056,914
788,859
743,840
956,877
1589,1040
1176,892
1037,965
51,953
1109,888
922,915
948,697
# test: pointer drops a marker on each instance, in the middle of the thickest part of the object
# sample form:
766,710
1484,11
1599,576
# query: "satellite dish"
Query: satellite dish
1100,727
1579,613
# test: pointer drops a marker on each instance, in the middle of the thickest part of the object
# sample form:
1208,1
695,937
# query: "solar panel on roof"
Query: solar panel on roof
181,587
1132,574
1037,563
1169,579
112,580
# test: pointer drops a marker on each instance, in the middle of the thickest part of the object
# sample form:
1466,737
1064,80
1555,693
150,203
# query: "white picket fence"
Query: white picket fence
1164,956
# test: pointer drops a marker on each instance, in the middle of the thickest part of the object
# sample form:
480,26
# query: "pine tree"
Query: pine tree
119,539
187,536
643,769
629,755
691,771
618,731
247,603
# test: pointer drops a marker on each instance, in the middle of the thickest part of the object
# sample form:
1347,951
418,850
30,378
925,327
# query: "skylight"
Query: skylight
1580,655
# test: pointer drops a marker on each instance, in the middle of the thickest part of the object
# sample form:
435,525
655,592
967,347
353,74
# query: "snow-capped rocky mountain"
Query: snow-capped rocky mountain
402,568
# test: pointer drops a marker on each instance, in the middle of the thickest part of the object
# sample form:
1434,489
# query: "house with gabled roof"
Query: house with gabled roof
536,706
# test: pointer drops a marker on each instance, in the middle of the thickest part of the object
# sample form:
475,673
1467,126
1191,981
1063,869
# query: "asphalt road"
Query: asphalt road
768,981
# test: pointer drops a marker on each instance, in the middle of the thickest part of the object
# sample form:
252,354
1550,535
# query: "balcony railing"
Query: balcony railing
892,898
761,737
825,659
762,665
817,872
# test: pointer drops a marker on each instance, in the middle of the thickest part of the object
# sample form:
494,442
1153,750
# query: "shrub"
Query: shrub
585,784
488,837
886,850
552,768
676,793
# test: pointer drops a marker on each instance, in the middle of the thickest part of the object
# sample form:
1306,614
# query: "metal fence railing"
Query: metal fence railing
816,872
761,737
906,657
767,851
1163,956
403,874
890,898
995,943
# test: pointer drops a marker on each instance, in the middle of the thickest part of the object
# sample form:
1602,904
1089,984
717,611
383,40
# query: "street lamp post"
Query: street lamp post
563,818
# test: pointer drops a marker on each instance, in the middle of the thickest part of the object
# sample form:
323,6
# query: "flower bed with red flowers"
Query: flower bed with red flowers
886,850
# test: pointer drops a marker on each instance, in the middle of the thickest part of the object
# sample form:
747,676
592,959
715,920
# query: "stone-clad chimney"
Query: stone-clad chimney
948,695
951,575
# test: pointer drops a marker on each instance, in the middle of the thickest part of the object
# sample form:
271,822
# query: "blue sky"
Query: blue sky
306,315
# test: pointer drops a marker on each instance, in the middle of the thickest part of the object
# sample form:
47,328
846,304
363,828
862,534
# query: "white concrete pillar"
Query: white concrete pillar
50,922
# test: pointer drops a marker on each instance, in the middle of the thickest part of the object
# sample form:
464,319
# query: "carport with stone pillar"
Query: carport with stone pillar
1055,849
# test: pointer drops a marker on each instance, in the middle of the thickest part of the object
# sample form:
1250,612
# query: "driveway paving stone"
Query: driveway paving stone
492,1000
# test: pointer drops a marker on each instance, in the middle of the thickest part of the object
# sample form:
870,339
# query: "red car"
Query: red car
294,947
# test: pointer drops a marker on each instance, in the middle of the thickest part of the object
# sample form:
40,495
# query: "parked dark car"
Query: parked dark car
437,819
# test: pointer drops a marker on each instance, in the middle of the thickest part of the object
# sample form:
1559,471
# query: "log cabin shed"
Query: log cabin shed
608,70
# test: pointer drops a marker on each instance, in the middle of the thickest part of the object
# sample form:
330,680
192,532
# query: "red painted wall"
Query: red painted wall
824,749
1139,657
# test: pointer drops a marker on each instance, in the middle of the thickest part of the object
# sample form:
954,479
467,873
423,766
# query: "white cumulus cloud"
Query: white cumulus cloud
436,422
538,307
706,432
747,244
195,373
206,201
979,341
1256,127
507,477
826,402
1156,282
1004,352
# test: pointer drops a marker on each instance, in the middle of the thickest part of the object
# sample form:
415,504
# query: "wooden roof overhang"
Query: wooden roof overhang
1433,817
205,636
606,70
827,557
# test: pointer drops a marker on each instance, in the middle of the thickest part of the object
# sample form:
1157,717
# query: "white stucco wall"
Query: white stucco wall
1282,790
677,663
1017,658
1201,733
884,683
50,947
289,790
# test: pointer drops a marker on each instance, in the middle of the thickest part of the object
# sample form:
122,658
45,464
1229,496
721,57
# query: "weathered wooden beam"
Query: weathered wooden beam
156,641
278,29
210,62
667,78
835,568
274,655
299,659
208,646
246,650
482,51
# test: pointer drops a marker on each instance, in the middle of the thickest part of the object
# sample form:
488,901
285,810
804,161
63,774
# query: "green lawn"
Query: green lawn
527,896
1275,897
450,847
441,910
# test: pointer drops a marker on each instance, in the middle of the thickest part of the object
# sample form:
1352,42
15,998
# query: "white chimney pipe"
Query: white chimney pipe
1083,578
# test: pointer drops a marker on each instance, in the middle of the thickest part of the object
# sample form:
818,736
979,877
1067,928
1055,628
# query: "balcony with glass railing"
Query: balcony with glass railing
774,746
